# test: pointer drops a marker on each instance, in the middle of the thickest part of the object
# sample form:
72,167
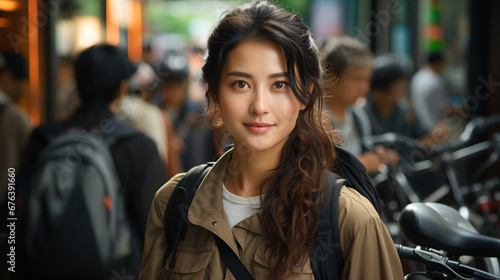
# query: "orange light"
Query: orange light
9,6
135,32
34,100
112,26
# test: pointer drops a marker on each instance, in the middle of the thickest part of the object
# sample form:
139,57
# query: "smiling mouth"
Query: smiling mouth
256,127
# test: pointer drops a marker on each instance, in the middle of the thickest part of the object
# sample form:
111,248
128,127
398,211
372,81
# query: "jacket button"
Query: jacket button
214,223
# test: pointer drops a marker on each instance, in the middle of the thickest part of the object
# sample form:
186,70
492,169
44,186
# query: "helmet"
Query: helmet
173,67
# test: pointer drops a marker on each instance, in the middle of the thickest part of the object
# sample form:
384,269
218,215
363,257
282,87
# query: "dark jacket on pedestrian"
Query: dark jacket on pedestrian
139,167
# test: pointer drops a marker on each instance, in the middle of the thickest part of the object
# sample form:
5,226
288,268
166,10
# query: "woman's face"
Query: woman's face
174,94
353,83
256,102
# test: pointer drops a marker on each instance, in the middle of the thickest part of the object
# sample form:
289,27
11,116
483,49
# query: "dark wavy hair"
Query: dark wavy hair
290,208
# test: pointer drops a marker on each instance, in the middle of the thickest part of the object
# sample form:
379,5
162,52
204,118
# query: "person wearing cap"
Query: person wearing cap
14,124
192,134
101,74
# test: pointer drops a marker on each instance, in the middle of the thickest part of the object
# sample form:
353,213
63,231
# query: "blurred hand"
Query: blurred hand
373,159
439,134
388,156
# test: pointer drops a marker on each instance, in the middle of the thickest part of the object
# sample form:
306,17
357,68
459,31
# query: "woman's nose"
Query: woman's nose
260,102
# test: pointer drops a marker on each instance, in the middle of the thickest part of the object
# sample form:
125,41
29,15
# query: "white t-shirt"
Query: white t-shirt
238,208
352,141
429,96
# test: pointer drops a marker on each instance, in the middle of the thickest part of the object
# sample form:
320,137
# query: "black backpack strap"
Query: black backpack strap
232,261
176,212
354,171
326,257
359,129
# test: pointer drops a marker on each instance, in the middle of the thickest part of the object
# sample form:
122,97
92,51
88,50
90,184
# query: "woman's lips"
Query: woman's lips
258,127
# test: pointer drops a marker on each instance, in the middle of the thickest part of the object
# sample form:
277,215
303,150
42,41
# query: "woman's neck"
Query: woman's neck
248,169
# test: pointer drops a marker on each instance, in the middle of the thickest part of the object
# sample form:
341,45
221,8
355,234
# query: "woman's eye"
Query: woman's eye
240,84
280,85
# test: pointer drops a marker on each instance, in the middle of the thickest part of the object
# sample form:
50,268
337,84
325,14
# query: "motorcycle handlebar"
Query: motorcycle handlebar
392,138
441,263
473,127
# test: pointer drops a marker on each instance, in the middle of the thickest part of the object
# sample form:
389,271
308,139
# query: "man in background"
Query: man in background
14,124
14,133
428,92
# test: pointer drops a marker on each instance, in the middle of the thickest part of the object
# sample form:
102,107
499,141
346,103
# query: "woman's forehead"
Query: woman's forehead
256,56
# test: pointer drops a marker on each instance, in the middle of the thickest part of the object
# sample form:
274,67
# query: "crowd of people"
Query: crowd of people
259,93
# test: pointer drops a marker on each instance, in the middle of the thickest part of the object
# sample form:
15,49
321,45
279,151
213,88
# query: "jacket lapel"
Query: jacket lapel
206,209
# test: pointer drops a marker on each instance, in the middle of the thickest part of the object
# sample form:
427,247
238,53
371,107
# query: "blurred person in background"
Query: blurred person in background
350,65
388,112
14,123
428,92
67,100
196,61
193,135
147,54
148,118
101,74
386,106
15,129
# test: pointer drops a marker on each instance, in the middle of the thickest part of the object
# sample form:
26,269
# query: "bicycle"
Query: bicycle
444,236
479,202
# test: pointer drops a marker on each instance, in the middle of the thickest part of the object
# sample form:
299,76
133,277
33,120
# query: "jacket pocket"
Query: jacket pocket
262,270
191,263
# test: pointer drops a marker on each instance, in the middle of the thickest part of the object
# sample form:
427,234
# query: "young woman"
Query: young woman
264,78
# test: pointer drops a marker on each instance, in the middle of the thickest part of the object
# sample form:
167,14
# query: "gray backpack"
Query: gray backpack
77,218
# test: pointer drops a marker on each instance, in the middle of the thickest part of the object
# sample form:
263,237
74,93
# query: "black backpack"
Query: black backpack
77,217
326,259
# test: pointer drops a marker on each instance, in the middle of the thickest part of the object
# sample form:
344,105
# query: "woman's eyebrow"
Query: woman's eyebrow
277,75
239,74
246,75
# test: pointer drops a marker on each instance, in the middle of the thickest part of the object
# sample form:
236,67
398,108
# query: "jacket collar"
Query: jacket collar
206,209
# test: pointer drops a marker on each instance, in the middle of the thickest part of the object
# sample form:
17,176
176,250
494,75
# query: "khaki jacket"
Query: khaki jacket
368,250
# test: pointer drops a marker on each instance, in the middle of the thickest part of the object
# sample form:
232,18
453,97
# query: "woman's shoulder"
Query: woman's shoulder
354,210
164,192
356,218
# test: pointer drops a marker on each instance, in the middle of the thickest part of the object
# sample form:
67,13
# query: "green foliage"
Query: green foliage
162,20
89,8
299,6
